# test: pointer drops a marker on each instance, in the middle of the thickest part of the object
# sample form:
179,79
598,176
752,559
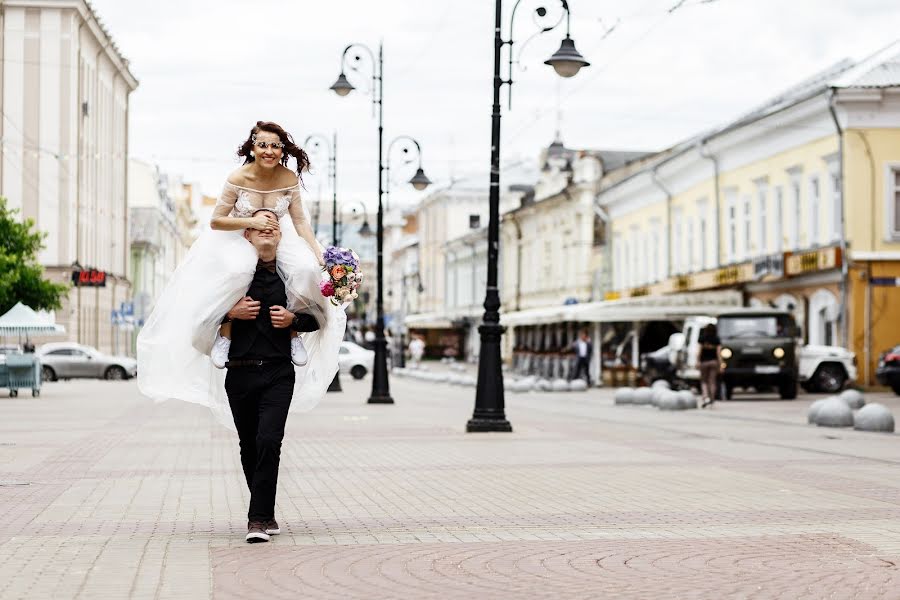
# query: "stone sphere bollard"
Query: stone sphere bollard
687,399
813,410
670,401
657,395
559,385
578,385
661,384
643,396
834,412
542,385
874,417
853,398
624,396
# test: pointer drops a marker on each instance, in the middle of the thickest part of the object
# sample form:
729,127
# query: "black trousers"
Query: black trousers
583,365
260,398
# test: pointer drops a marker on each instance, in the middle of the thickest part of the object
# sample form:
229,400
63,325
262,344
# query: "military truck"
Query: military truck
761,349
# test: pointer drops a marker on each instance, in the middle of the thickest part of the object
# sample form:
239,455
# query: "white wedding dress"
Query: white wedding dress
174,345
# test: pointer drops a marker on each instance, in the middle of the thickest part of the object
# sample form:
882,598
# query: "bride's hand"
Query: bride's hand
262,222
320,259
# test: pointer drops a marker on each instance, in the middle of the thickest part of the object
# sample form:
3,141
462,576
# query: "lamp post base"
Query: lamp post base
335,385
380,400
485,424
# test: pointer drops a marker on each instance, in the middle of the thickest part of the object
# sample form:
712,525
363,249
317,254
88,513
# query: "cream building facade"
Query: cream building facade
65,96
793,205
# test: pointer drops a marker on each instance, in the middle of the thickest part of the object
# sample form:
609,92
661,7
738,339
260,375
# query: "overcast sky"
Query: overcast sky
209,69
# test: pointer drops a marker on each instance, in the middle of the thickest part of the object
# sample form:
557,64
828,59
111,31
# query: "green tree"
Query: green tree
21,275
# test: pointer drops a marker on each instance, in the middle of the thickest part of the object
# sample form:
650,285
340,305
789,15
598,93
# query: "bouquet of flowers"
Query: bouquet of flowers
344,276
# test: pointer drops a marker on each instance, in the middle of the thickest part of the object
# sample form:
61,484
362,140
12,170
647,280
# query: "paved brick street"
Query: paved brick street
105,495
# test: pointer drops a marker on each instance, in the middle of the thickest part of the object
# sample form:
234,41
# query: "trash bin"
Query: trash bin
24,372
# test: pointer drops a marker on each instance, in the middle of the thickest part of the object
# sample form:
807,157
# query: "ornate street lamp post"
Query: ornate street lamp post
318,140
489,414
381,393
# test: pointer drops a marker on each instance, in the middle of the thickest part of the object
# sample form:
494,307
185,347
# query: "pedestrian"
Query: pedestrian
584,350
260,380
710,361
416,350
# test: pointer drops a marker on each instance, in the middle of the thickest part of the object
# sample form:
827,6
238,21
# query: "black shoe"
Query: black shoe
256,532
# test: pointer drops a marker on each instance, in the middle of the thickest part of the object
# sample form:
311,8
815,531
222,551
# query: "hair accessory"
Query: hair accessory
252,154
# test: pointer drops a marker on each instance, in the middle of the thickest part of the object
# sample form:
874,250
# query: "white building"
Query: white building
65,91
465,286
157,242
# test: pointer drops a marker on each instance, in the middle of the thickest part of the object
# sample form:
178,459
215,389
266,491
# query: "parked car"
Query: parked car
355,360
888,372
67,360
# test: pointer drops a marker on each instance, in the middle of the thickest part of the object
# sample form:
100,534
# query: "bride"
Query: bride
184,344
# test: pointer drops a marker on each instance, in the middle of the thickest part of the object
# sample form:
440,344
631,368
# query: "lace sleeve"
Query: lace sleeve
298,212
226,201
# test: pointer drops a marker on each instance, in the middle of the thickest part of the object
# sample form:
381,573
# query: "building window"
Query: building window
836,209
893,193
814,208
731,229
762,232
795,210
704,250
748,226
474,221
779,220
690,246
677,242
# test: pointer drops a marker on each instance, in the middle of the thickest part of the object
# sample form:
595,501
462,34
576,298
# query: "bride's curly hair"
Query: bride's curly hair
290,148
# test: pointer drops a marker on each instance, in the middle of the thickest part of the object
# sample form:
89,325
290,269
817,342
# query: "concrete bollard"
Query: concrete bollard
559,385
669,401
578,385
687,399
853,398
874,417
643,396
834,412
624,396
814,410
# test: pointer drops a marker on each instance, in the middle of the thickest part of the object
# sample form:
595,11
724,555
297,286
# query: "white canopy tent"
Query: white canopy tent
23,320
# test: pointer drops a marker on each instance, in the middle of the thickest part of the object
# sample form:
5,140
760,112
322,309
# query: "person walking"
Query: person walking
416,351
710,361
584,350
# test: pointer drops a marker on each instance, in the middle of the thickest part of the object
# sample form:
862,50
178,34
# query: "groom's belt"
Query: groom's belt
256,362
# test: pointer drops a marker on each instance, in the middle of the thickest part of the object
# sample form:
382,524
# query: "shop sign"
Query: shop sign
682,283
89,278
769,265
810,262
612,296
728,276
641,291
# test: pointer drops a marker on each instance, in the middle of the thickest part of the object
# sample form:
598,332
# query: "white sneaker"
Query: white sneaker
298,352
219,354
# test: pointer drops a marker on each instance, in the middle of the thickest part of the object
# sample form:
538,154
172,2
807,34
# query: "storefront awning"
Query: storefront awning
645,308
428,321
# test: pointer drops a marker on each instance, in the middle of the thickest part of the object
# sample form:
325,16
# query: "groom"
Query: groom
260,378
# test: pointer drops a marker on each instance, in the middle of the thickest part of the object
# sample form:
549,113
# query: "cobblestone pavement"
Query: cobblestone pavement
106,495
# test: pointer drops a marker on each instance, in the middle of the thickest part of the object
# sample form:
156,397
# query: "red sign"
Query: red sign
89,278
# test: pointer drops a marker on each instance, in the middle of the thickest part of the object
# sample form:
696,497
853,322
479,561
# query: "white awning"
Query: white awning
428,321
21,319
644,308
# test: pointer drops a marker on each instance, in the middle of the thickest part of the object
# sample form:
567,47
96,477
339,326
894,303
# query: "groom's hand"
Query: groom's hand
281,317
245,310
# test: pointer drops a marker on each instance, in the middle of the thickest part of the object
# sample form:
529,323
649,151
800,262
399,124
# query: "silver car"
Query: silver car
67,360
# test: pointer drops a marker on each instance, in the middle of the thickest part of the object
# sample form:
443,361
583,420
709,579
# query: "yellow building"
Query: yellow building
796,204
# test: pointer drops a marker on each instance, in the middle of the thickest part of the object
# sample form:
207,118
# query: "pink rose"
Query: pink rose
327,288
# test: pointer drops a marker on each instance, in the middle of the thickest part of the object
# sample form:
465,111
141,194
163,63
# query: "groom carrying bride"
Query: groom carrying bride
260,378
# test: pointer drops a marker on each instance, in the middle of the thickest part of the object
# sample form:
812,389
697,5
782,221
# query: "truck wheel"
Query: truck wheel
788,389
829,378
896,389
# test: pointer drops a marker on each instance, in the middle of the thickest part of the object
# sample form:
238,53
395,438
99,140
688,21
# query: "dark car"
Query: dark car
888,372
759,350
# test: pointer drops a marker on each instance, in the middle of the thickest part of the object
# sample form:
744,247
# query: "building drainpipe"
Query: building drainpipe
705,153
655,176
845,263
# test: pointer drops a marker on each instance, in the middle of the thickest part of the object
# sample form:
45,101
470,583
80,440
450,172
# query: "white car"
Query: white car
355,360
68,360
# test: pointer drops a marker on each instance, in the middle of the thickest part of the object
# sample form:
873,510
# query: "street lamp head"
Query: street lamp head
567,61
420,181
365,231
342,87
